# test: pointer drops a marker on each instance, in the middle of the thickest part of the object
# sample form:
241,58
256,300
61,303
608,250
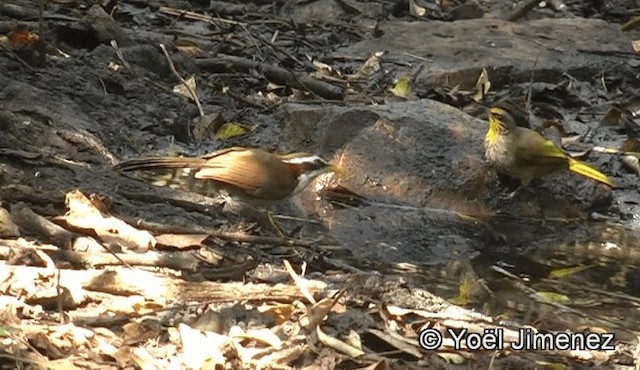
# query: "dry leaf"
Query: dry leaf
7,227
567,271
554,297
83,216
187,47
22,37
402,89
261,335
632,162
281,312
416,10
181,89
337,344
232,129
144,360
370,66
205,127
181,241
198,347
482,86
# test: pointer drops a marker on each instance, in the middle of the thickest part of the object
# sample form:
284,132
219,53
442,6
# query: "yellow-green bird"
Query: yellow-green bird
525,154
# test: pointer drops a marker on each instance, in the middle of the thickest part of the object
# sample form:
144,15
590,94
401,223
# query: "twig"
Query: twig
60,292
172,260
114,45
196,16
231,236
277,75
83,137
189,89
300,282
233,272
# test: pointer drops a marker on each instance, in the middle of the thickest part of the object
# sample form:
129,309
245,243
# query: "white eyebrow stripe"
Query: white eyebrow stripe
303,159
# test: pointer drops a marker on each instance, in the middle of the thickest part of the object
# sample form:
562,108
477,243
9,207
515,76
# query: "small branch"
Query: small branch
276,75
173,260
230,236
184,82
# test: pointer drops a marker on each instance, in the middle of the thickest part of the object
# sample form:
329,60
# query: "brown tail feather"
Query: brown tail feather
158,162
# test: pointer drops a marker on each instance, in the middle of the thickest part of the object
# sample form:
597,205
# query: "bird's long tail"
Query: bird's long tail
590,172
159,163
173,172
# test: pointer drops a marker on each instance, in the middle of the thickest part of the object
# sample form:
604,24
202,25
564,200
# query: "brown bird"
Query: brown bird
252,175
523,153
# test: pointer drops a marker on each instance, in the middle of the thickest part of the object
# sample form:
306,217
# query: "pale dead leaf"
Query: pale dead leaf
187,47
325,71
319,311
82,214
107,342
282,357
8,228
9,310
337,344
632,163
143,359
205,127
370,66
198,347
264,335
416,10
300,282
482,86
181,89
133,304
353,339
281,312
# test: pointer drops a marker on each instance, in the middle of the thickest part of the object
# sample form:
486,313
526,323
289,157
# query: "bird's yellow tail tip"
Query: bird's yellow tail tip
590,172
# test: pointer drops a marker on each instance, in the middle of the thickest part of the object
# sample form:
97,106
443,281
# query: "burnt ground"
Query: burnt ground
415,208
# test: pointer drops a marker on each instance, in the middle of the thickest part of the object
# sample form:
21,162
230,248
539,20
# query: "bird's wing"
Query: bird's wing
226,169
538,150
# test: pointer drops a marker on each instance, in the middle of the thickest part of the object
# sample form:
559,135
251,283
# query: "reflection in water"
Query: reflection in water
582,285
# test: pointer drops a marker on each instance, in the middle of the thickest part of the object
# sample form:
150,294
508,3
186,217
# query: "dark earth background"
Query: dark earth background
429,206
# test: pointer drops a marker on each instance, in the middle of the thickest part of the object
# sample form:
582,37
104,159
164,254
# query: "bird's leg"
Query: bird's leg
251,212
274,224
512,185
264,217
